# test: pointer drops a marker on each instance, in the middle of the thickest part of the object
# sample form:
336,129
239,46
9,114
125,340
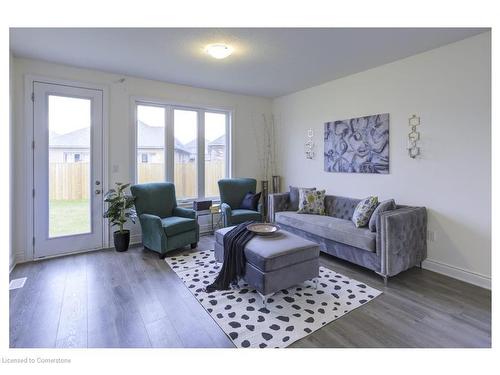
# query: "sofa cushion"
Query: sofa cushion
363,211
312,202
294,197
331,228
340,207
387,205
175,225
275,252
250,201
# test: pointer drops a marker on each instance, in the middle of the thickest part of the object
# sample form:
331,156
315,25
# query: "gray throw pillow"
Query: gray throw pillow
387,205
364,211
294,197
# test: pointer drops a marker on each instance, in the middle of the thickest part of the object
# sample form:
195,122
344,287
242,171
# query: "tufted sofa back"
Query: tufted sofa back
340,207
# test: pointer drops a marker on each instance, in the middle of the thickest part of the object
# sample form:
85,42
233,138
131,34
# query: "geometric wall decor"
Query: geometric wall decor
309,145
413,137
358,145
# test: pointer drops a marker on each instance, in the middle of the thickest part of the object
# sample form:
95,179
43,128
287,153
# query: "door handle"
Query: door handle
98,192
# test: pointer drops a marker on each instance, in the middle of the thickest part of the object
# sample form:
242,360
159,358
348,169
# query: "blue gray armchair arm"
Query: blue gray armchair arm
184,212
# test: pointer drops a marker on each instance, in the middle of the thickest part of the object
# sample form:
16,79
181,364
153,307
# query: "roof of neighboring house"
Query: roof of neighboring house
221,141
148,137
152,137
76,139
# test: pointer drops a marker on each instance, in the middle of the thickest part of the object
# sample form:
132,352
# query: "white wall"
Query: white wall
449,88
247,114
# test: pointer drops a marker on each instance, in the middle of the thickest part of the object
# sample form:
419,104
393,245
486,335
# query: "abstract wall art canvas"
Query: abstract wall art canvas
358,145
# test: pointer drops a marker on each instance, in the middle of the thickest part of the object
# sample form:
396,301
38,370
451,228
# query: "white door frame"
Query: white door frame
29,80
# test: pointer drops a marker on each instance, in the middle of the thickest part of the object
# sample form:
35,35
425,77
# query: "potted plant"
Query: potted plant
120,209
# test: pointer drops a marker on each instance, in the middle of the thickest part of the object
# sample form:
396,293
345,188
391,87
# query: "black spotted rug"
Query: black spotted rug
290,314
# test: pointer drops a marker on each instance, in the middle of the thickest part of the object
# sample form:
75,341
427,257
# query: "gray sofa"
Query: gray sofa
398,243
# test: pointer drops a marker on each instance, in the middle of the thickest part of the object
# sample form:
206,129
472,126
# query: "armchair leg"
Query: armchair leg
163,255
194,245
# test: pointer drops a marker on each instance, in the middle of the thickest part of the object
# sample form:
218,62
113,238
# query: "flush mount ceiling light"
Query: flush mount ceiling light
218,50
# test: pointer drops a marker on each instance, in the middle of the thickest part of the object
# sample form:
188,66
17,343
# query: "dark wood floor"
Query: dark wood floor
133,299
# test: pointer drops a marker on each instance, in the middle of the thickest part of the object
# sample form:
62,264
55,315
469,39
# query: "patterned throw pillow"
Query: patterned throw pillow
295,198
312,202
364,211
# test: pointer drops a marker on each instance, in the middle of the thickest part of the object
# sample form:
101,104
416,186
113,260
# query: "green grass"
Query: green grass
68,217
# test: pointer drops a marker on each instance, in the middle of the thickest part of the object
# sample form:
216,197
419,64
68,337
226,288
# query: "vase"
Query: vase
264,188
276,184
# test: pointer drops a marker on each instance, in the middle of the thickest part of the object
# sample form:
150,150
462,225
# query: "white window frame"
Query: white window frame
169,140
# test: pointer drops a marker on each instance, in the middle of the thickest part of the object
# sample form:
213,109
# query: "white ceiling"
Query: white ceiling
266,62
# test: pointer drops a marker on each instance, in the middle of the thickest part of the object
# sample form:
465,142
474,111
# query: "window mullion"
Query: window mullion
201,154
169,144
229,148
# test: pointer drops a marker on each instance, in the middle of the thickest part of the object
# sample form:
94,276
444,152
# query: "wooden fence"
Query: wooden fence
70,181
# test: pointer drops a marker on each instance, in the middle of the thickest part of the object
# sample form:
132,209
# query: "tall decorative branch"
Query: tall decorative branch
266,146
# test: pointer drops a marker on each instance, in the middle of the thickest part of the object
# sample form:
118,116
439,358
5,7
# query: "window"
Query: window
188,146
215,151
185,153
150,139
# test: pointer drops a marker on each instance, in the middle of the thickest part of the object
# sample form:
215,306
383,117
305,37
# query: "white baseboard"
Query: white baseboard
135,239
12,266
457,273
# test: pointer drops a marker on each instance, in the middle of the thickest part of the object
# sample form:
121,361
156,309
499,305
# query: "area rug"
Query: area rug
289,314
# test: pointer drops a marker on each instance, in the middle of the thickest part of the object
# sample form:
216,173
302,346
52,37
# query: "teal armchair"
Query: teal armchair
232,191
165,226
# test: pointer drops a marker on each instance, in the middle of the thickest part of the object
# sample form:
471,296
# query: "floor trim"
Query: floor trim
457,273
12,266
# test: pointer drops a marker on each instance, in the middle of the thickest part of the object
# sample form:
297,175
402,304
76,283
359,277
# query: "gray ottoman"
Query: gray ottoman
277,262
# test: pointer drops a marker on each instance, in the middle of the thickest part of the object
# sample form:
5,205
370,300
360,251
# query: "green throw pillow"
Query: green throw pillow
363,211
311,202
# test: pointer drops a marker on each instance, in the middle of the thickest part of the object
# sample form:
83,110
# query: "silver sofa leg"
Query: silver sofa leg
384,277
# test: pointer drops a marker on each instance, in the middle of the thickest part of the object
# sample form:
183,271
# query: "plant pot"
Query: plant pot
121,240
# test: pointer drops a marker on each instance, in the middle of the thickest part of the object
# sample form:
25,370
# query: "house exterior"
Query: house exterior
216,149
74,147
150,145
